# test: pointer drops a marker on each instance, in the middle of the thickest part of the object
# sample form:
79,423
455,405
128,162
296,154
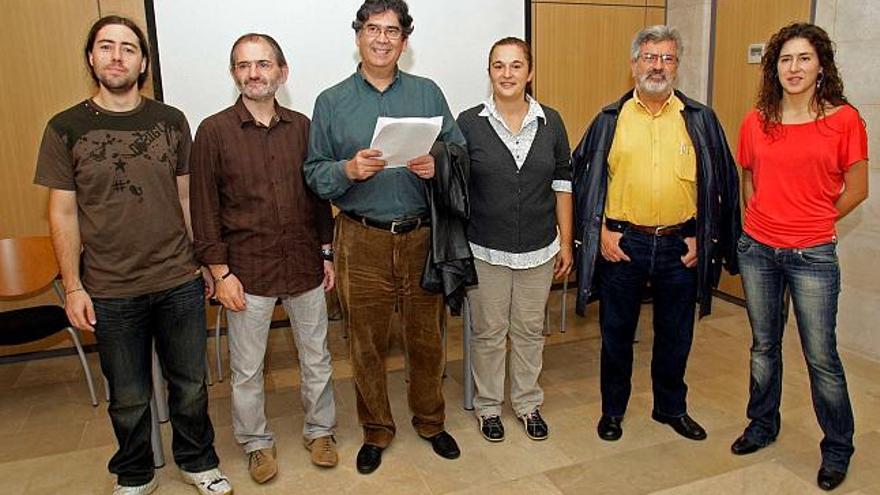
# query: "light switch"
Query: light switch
756,51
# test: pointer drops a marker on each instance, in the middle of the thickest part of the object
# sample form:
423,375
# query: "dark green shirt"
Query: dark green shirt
343,123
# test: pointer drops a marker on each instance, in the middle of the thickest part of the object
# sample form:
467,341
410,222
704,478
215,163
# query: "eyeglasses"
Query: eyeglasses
667,59
246,65
393,33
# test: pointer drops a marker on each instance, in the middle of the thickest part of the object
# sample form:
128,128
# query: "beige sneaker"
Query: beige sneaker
262,465
145,489
323,450
210,482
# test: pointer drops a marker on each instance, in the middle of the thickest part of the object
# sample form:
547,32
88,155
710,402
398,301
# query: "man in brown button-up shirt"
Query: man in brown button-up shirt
264,236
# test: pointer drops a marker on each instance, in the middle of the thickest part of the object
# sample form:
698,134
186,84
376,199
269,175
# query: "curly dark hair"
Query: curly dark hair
828,93
373,7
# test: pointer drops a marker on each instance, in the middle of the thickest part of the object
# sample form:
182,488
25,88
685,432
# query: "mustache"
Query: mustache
654,73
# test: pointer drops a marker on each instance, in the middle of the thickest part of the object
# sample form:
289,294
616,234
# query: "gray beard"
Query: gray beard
646,86
268,94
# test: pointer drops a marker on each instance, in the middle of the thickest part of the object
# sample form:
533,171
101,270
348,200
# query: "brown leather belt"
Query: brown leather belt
686,229
395,226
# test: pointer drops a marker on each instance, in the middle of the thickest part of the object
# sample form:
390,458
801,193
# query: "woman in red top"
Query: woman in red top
803,152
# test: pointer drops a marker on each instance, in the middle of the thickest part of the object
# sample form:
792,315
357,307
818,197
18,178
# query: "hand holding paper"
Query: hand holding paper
422,166
365,164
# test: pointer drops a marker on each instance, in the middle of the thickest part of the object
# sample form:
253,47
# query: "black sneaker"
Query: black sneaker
536,428
491,428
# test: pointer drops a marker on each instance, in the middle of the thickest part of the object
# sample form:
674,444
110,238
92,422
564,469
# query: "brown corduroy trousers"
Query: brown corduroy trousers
377,273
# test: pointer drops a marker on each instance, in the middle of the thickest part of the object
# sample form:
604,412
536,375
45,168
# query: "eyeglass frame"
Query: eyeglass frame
664,58
392,33
245,65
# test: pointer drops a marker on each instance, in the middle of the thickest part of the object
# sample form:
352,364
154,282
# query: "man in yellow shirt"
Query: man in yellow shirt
656,193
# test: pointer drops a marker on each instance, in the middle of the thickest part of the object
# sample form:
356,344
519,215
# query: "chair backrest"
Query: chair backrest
27,265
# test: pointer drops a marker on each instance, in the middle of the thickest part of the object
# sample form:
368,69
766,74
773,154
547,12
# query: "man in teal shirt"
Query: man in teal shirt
382,234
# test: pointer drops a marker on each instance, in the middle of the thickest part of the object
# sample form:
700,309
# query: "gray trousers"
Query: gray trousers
248,336
508,303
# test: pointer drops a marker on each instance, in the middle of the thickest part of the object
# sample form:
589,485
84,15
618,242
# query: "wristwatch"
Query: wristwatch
327,254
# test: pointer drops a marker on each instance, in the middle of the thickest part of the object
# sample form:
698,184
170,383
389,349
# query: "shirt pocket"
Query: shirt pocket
686,162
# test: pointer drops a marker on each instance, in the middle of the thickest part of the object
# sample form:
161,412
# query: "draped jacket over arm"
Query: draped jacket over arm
449,266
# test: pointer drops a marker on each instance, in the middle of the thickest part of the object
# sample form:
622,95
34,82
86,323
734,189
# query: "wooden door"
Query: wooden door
42,72
582,54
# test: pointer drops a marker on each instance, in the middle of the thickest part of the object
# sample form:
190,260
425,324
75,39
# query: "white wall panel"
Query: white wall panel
450,45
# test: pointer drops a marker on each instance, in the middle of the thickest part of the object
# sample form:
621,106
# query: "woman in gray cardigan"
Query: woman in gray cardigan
520,231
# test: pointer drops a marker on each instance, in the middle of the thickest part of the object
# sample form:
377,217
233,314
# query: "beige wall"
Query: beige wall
854,25
693,19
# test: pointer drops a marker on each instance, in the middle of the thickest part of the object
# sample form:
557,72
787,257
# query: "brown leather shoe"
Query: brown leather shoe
323,450
262,465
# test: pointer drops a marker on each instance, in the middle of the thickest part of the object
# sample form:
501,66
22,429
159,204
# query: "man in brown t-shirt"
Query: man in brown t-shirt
263,234
117,168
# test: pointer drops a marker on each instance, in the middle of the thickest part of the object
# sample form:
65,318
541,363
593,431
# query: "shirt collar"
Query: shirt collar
672,102
360,76
536,111
245,117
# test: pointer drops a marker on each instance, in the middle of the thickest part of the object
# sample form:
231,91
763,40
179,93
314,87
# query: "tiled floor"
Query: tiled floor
53,442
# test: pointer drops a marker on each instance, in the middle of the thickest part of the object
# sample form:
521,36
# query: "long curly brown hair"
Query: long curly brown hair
828,93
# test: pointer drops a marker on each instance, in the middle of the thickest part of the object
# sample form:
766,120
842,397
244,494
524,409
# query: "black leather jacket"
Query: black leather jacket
449,266
718,210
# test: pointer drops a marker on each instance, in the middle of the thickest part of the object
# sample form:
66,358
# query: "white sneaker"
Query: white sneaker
150,487
210,482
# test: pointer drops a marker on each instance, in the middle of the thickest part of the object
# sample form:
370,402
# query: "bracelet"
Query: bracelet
71,291
223,277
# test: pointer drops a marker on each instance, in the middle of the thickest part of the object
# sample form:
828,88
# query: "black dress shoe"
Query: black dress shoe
683,425
829,479
369,458
744,446
610,428
444,445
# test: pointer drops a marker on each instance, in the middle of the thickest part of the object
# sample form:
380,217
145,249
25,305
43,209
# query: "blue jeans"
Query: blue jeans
656,259
125,331
812,277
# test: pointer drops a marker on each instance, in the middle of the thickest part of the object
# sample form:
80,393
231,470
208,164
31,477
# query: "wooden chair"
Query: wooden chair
27,267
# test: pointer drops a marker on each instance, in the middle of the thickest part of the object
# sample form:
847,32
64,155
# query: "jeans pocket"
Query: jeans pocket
623,242
743,244
824,254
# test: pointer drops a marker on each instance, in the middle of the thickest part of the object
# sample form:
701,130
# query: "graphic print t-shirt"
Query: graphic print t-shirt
123,168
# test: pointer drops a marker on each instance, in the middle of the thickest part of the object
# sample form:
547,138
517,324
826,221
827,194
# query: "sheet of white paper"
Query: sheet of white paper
402,139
